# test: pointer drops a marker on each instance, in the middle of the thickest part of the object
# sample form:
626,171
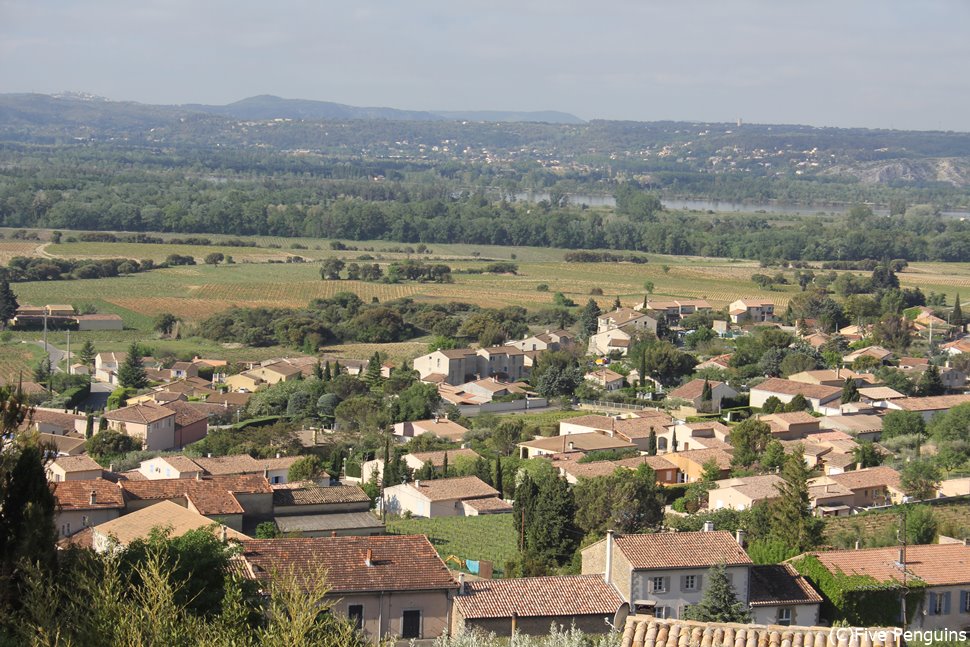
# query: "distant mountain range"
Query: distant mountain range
14,107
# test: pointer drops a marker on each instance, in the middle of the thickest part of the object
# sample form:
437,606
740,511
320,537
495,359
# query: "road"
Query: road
56,354
99,390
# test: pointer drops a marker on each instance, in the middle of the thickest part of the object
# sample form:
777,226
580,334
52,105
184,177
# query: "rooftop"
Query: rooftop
319,495
693,389
868,478
82,463
935,564
461,487
398,562
681,550
145,413
329,522
76,495
644,631
165,514
529,597
590,441
932,403
779,584
788,387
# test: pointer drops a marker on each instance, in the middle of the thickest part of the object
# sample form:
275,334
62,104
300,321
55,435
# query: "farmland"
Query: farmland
953,519
258,278
489,537
17,359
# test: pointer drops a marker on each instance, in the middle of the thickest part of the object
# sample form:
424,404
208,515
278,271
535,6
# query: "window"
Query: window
784,616
277,479
411,624
658,584
84,521
661,612
356,614
965,601
939,604
689,583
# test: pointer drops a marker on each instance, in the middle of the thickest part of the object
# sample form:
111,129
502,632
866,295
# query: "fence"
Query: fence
605,405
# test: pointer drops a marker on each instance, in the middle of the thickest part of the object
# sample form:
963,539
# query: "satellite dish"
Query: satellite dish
619,618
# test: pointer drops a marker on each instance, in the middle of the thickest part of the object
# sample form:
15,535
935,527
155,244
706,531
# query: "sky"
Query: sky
855,63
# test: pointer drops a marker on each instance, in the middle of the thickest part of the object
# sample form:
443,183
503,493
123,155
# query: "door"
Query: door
411,624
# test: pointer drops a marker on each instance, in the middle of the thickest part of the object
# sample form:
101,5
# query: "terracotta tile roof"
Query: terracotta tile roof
536,597
489,505
819,490
76,495
871,351
230,398
932,403
444,428
63,444
210,496
779,584
501,350
606,468
871,477
438,458
144,413
640,427
788,387
701,456
82,463
461,487
186,413
165,514
81,539
647,631
62,419
399,562
329,522
935,564
225,465
277,463
622,316
593,422
854,424
182,463
756,488
590,441
457,353
880,393
692,389
318,495
681,550
603,376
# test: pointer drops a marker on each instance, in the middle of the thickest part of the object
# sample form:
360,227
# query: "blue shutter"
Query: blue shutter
946,603
931,609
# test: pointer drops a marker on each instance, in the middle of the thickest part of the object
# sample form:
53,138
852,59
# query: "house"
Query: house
876,352
958,346
57,422
100,322
664,573
605,379
691,462
941,570
874,394
182,370
817,340
678,633
676,309
81,504
707,429
927,406
229,500
438,497
106,366
833,377
439,426
456,366
73,468
870,487
530,605
150,423
504,362
170,467
693,390
569,466
634,429
549,340
275,470
277,372
244,382
719,362
819,397
486,389
583,442
829,499
743,493
860,426
952,378
751,310
614,340
622,317
191,421
315,511
791,426
388,585
779,595
63,445
173,518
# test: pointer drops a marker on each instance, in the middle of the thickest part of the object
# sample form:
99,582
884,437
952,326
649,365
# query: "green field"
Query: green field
489,537
18,360
953,519
195,292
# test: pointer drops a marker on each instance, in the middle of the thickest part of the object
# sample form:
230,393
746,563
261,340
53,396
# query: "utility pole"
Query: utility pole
68,358
902,565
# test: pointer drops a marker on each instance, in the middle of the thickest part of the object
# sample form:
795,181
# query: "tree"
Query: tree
164,323
667,364
903,423
87,353
8,303
627,501
498,480
850,392
267,530
706,395
749,439
331,268
866,455
589,319
930,382
131,373
372,376
792,521
308,468
720,602
543,514
798,403
214,258
921,524
956,317
774,457
920,479
110,443
771,404
652,442
648,286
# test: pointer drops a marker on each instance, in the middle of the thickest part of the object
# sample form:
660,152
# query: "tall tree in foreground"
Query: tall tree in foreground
87,353
8,303
589,319
792,521
720,601
131,374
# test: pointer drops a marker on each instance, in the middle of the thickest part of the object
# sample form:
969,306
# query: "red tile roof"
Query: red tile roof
779,584
76,495
532,597
692,389
788,387
143,414
210,496
935,564
399,562
317,495
681,550
462,487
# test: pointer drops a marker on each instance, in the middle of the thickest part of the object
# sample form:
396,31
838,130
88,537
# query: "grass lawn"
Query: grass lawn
489,537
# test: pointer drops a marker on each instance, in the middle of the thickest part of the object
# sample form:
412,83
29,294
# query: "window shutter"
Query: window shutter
666,583
932,604
946,603
683,582
964,607
700,583
649,585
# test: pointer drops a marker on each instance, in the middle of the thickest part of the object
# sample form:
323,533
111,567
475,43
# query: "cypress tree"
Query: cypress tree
318,370
327,375
589,319
444,467
499,483
956,318
8,303
652,443
930,383
792,522
673,441
706,395
720,602
850,392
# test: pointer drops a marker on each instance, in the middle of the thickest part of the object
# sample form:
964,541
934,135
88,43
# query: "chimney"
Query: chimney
370,557
461,584
902,556
739,536
609,556
198,476
571,445
417,483
93,498
111,467
224,534
708,526
333,533
277,454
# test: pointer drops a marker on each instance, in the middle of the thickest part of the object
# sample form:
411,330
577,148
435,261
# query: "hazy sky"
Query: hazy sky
876,63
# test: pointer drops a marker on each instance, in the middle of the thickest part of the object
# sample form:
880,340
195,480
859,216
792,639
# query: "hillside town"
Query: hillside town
661,472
